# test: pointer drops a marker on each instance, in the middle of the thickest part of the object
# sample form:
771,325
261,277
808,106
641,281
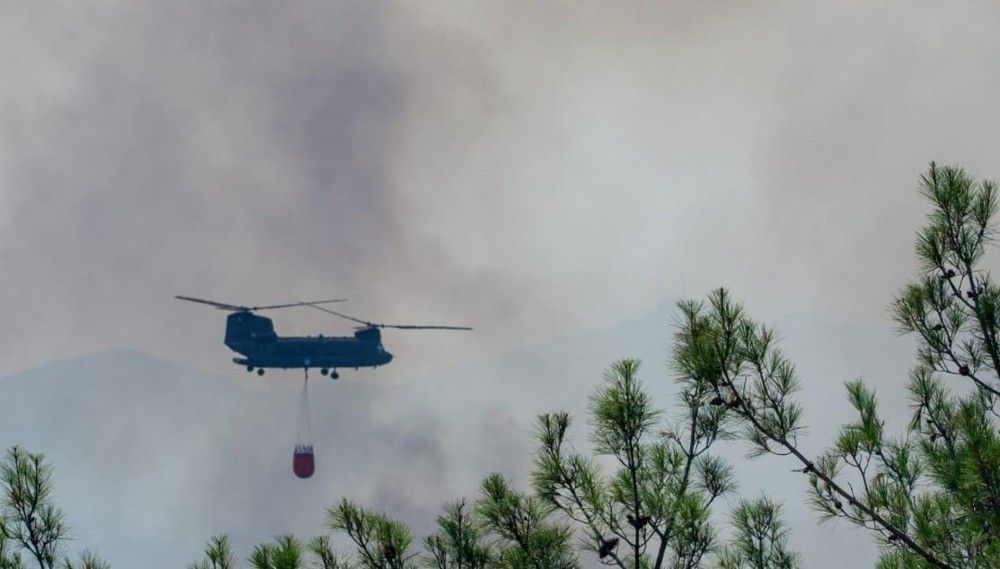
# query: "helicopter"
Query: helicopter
253,337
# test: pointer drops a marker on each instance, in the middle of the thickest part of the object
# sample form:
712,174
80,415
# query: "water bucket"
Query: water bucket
303,462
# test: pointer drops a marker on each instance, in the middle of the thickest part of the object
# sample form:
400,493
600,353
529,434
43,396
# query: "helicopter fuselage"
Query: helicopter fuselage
254,338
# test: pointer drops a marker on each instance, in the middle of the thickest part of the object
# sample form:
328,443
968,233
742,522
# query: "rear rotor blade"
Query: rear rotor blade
396,326
328,311
219,305
419,327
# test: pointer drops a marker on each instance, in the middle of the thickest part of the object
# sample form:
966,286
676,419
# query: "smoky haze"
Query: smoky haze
526,169
529,169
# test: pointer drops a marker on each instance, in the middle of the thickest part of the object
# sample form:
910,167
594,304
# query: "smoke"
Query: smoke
238,152
530,170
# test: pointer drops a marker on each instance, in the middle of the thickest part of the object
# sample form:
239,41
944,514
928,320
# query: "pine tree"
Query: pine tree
458,543
218,555
652,508
761,538
30,522
932,494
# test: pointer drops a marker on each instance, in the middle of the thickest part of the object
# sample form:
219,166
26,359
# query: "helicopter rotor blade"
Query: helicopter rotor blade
421,327
219,305
235,308
310,303
328,311
396,326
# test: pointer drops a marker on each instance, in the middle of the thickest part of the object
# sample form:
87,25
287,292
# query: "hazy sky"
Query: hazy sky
532,169
526,168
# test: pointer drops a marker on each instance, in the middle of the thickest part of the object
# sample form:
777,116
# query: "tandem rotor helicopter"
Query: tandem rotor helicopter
253,337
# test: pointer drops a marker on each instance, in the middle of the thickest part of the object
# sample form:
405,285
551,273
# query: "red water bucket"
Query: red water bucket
303,463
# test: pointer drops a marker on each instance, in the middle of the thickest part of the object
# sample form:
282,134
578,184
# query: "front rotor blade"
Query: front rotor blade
219,305
310,303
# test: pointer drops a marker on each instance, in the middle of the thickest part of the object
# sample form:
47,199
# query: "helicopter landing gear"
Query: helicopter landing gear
260,371
324,371
334,375
249,369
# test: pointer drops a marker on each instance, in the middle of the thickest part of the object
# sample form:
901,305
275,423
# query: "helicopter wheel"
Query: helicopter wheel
334,375
249,368
324,371
260,371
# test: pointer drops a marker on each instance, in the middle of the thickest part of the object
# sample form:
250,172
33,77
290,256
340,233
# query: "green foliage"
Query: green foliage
9,558
621,413
218,555
722,349
325,556
953,306
381,543
523,538
458,543
652,509
28,517
941,482
505,529
932,494
761,540
88,560
30,522
286,552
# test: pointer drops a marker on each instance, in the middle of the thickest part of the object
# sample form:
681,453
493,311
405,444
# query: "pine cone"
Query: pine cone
607,546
